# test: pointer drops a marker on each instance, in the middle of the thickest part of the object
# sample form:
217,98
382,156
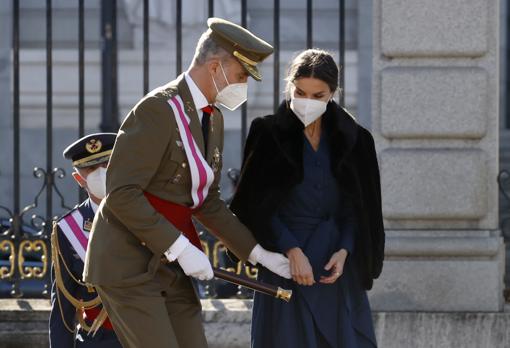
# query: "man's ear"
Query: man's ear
79,180
213,65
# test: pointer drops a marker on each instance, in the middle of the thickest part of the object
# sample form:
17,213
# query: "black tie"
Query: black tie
207,111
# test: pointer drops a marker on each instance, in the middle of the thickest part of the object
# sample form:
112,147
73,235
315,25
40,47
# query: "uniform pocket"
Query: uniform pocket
179,175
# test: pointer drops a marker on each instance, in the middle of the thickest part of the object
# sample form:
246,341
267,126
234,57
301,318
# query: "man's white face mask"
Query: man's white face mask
233,95
308,110
96,182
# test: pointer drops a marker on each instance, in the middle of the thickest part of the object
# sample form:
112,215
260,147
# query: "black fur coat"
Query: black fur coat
273,165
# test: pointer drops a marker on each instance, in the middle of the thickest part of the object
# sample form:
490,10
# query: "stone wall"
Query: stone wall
435,97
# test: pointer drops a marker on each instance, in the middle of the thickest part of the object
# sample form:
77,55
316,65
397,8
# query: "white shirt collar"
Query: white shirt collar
93,205
198,97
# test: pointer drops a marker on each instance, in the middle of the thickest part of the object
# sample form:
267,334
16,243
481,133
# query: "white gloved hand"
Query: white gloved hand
275,262
192,260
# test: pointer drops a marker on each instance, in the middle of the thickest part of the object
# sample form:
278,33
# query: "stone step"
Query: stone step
23,323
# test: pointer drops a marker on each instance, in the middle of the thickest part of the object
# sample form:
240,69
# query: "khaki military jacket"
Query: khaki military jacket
128,236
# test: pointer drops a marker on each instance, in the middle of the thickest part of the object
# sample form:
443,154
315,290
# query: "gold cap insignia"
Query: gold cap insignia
93,146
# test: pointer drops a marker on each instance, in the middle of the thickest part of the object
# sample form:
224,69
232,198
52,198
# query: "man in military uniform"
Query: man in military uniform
77,318
165,169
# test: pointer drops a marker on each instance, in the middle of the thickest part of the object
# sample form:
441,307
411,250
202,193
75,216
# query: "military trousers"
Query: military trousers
164,312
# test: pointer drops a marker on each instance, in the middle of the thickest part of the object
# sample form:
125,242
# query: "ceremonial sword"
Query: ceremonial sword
256,285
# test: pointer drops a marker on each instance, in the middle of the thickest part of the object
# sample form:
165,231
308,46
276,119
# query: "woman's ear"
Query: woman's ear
290,91
331,96
79,180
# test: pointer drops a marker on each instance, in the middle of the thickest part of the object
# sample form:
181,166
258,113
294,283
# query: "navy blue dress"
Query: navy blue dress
319,220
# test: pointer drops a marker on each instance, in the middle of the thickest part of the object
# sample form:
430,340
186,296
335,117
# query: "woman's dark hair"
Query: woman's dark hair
315,63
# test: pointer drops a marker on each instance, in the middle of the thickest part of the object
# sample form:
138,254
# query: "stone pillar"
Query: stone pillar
365,54
435,95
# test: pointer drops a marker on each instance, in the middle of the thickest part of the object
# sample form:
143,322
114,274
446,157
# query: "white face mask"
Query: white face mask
233,95
96,182
308,110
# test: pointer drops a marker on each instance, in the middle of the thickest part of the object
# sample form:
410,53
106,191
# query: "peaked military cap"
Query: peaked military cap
241,43
90,150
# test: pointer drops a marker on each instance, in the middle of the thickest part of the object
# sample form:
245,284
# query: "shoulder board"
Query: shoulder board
166,92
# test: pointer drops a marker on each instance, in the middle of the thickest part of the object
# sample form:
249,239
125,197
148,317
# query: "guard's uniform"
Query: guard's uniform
68,324
77,318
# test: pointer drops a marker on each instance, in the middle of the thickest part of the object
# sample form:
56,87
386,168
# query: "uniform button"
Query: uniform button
143,243
184,165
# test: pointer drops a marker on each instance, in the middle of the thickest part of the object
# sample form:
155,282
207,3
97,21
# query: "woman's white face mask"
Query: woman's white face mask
233,95
308,110
96,182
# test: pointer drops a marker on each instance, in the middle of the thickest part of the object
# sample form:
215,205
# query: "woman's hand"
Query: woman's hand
336,265
300,267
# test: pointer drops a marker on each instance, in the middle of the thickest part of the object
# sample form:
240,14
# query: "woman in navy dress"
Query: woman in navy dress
310,188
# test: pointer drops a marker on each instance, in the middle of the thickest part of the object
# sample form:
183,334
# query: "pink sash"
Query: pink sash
78,238
202,175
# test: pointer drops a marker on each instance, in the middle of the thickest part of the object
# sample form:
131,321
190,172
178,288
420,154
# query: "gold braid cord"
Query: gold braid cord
68,328
83,324
98,322
80,305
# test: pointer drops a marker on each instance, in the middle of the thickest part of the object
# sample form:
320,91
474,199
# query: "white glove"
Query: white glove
275,262
192,260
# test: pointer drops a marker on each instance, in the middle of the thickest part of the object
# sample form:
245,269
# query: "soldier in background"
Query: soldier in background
77,318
